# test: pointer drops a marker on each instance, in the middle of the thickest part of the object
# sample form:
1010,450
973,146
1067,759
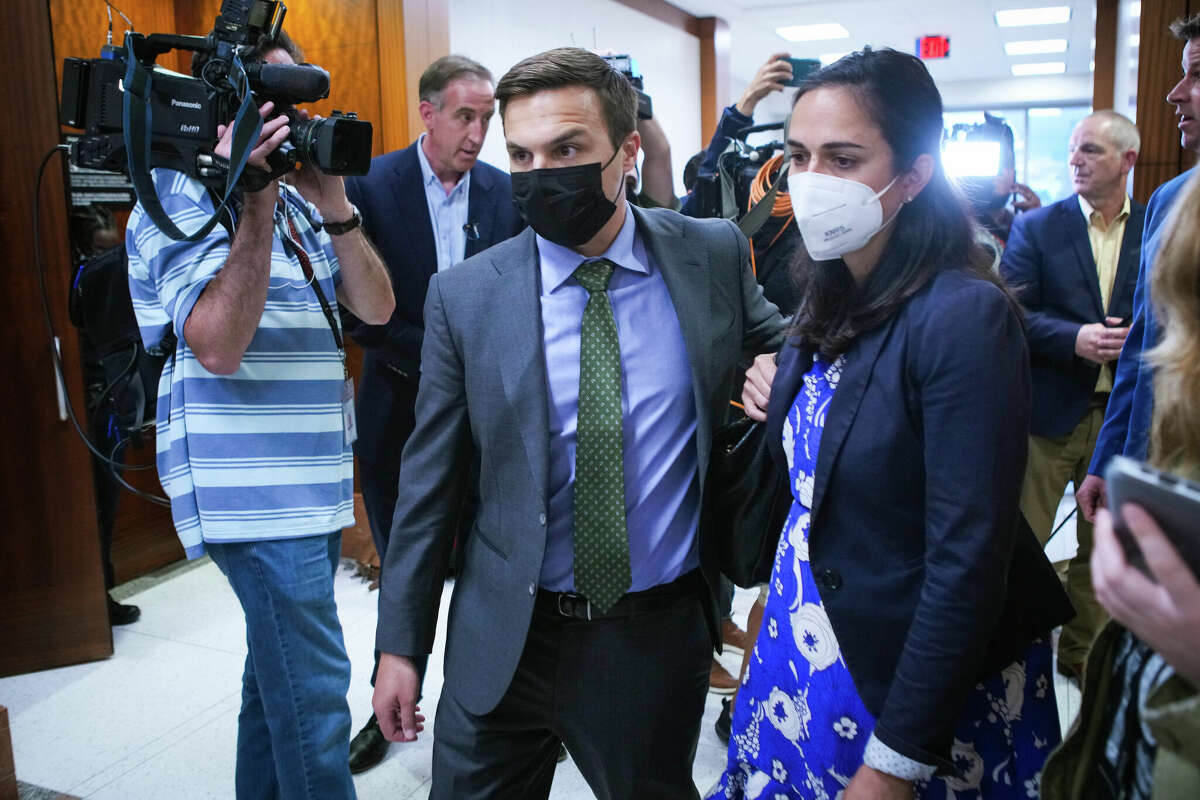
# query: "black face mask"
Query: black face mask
566,205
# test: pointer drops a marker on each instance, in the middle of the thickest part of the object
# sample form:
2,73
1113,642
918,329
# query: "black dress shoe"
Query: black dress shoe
724,723
121,614
368,747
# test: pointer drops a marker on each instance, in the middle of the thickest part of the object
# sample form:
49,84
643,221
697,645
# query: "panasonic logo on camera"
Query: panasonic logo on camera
184,104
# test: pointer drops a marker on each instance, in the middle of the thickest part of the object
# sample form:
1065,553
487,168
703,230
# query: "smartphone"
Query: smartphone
801,69
1172,501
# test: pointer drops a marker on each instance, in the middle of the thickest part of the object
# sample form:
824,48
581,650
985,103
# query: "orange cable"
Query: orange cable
782,207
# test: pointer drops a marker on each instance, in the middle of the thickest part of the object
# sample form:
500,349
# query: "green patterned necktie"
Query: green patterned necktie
602,571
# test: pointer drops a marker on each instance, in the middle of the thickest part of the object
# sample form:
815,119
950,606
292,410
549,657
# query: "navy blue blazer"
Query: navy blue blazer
1126,429
391,199
1049,265
928,577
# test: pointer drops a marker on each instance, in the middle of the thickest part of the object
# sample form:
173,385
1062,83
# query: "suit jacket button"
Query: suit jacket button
542,518
830,579
532,589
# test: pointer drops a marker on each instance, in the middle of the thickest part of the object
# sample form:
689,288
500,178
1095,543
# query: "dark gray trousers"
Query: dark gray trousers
624,694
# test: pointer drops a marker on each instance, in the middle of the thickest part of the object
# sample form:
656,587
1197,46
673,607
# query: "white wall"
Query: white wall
499,33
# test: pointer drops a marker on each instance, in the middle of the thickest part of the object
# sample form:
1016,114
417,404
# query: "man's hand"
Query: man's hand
326,192
395,700
1163,614
274,132
769,78
871,784
1091,496
1029,199
1100,341
756,392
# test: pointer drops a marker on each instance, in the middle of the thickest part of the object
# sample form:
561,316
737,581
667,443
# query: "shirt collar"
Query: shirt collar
1088,210
430,179
559,263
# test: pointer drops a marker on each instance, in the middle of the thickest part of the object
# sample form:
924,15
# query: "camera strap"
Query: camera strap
756,217
306,266
138,129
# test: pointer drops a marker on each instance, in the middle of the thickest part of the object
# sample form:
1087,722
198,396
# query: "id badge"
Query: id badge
349,423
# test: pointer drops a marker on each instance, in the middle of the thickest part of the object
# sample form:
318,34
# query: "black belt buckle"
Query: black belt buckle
575,605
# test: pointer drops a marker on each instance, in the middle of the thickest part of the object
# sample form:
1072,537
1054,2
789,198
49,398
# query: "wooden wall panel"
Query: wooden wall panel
394,111
1105,53
426,38
1159,68
52,606
714,73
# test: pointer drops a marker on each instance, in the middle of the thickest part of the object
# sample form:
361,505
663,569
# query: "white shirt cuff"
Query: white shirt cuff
883,758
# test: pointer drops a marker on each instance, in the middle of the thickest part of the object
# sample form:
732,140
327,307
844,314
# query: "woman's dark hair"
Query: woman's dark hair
932,233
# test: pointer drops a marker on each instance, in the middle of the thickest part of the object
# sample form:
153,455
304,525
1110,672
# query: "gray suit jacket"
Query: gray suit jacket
483,391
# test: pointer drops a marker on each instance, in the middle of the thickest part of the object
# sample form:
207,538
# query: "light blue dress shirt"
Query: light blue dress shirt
447,212
662,488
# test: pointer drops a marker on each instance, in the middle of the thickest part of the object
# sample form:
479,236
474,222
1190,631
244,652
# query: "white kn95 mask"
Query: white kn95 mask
835,215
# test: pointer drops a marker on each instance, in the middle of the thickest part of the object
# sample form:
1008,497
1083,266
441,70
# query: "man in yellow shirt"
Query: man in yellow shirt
1074,266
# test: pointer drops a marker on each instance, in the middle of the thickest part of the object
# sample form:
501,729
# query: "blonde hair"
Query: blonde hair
1175,293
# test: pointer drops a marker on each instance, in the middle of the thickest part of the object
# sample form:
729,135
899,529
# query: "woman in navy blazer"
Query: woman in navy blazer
905,633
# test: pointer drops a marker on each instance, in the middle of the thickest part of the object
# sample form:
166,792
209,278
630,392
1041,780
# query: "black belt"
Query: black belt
657,598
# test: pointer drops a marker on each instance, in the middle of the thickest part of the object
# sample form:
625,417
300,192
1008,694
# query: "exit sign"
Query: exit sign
933,46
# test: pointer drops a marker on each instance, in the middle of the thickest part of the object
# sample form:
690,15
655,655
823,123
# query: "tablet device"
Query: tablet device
1173,502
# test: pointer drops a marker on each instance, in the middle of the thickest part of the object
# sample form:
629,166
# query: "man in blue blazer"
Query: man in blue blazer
1073,265
426,208
1126,428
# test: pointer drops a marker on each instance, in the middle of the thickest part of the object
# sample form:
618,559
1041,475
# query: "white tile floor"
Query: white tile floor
159,718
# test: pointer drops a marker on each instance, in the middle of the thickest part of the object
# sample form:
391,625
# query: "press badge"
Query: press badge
349,423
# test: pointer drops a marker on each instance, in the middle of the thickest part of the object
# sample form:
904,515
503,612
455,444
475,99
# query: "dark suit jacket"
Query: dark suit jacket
483,394
928,580
391,198
1049,264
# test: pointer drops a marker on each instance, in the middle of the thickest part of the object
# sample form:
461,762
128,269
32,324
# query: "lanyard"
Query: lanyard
306,266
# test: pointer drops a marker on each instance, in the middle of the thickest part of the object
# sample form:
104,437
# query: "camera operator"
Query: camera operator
93,230
771,77
254,443
989,197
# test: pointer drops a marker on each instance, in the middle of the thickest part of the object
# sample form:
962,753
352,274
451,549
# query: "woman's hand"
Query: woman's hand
1164,615
871,784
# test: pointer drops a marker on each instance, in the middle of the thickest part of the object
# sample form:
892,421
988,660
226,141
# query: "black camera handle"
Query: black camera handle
137,124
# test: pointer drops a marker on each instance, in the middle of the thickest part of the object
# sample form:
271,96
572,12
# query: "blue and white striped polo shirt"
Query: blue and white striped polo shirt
261,453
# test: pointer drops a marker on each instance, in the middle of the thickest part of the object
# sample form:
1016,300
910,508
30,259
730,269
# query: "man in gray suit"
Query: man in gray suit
586,362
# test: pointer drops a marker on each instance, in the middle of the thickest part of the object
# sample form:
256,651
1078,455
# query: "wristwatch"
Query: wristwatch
338,228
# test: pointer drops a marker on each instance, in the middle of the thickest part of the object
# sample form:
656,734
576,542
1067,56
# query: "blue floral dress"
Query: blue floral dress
800,728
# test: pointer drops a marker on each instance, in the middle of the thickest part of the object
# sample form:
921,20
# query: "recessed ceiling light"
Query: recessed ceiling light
1134,40
1135,9
1035,47
1039,68
828,58
1020,17
1092,66
813,33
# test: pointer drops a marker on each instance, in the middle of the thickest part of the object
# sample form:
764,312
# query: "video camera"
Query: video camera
977,154
625,65
137,116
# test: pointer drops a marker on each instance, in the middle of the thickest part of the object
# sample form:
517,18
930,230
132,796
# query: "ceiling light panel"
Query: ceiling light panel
813,33
1035,47
1022,17
1040,68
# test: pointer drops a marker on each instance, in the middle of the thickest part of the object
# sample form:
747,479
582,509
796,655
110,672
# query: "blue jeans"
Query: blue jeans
294,726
